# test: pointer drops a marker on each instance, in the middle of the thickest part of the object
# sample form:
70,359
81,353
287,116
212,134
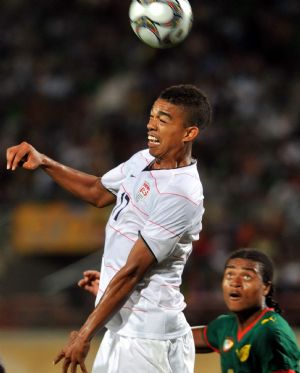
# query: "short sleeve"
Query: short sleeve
213,332
172,219
113,179
279,351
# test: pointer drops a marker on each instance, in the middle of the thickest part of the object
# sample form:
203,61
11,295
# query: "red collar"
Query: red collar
241,333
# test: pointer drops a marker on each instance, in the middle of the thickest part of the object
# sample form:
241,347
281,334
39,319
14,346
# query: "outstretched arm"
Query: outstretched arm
139,261
201,345
87,187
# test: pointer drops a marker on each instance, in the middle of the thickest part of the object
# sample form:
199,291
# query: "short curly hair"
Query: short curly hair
193,100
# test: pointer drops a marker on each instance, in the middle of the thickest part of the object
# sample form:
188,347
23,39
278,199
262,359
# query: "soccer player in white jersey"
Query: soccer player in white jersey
158,210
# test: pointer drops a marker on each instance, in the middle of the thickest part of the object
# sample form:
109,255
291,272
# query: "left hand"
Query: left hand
73,354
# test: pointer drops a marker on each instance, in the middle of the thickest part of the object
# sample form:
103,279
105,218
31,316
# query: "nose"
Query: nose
152,125
235,282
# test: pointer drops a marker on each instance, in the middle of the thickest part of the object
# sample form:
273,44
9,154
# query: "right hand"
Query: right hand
90,281
74,353
23,155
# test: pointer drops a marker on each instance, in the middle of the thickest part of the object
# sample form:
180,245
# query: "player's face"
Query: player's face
243,288
167,133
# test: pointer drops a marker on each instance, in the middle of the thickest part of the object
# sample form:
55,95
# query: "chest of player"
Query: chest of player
136,198
240,355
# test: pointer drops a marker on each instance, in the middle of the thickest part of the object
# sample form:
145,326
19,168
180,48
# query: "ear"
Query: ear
267,288
191,133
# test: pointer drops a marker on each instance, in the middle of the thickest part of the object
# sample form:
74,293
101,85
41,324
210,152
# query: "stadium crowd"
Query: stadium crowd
76,82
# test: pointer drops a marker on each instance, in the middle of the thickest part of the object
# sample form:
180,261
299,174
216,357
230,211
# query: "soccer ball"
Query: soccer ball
161,23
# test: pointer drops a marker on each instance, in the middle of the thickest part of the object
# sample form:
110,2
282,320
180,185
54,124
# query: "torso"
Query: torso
146,202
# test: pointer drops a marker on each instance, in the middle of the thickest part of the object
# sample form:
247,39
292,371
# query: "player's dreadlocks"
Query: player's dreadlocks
266,270
193,100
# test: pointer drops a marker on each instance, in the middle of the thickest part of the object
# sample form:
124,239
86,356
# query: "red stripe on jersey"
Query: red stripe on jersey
148,161
172,194
284,371
134,309
141,211
166,229
241,333
117,230
207,342
111,267
184,173
144,213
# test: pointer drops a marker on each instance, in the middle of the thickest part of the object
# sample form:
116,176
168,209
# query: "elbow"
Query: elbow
132,274
102,197
103,201
98,203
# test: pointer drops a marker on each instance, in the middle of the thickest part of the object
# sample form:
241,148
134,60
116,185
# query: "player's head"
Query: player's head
192,100
252,271
174,123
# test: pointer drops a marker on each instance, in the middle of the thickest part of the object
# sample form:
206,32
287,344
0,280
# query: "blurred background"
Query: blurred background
78,85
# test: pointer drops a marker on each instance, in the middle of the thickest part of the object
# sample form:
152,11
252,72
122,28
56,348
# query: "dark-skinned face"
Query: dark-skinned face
243,287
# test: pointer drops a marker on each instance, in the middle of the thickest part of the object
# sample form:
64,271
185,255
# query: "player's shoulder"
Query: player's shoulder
185,181
272,320
188,174
143,156
274,324
223,320
140,159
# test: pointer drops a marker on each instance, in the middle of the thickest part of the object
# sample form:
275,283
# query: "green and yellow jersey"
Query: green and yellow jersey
268,345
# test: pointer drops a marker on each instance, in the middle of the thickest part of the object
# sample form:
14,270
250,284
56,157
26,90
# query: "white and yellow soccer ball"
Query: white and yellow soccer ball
161,23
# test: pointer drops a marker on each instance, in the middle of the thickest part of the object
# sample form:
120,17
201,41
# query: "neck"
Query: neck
160,164
245,318
180,159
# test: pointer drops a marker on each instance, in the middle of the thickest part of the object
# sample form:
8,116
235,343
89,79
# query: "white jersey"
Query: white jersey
164,208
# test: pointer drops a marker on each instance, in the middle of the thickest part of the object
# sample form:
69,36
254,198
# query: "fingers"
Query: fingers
17,155
92,274
90,281
83,368
66,365
23,160
59,357
74,367
81,283
91,286
13,157
89,277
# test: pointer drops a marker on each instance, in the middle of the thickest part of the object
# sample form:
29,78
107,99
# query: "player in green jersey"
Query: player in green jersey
254,337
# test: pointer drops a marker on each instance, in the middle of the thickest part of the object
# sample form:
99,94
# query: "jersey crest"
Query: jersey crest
228,344
143,191
243,353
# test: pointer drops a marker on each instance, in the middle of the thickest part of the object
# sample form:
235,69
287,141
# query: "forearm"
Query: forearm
116,294
201,345
84,186
139,261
